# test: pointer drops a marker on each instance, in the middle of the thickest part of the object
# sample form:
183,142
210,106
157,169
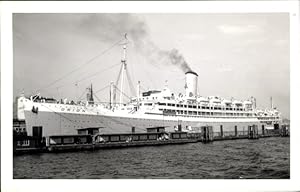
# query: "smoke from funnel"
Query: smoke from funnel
110,27
178,59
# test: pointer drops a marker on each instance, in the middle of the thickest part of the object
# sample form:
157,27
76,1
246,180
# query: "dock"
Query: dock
92,147
24,144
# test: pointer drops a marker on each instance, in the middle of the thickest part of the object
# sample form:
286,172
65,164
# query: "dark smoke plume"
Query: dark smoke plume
177,59
111,27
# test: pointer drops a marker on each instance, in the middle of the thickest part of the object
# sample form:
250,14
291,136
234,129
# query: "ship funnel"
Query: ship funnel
191,79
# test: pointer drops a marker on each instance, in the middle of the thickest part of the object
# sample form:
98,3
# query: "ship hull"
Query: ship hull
54,123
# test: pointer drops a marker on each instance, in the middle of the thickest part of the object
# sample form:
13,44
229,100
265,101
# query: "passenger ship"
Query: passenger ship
153,108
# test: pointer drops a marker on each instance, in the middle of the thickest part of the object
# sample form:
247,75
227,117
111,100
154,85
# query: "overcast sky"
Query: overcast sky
235,55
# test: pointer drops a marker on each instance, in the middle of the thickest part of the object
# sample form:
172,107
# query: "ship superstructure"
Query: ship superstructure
152,108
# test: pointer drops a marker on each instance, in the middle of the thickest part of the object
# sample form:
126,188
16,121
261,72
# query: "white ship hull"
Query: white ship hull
55,122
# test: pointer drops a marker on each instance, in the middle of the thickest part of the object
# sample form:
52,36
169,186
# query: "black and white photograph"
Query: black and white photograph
151,95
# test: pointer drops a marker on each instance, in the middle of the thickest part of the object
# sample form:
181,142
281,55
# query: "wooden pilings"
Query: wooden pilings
253,132
221,131
285,131
207,134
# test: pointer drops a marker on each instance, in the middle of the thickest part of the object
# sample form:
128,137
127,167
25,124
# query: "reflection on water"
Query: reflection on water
263,158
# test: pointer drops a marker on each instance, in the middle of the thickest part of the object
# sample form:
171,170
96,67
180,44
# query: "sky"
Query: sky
236,55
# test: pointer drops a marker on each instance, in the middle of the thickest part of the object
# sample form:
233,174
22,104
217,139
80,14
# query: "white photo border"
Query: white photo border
10,184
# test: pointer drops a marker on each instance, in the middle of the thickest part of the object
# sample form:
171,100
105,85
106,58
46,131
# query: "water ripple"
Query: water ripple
260,159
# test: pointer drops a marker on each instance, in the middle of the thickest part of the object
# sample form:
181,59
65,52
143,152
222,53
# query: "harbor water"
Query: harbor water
265,158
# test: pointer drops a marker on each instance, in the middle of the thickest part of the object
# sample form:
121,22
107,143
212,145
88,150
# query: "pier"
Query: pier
24,144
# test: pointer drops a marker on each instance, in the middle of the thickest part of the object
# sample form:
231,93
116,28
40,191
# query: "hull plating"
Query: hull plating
68,123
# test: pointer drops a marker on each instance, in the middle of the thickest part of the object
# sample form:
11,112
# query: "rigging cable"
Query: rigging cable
82,95
89,77
98,72
116,84
97,97
119,75
92,75
130,83
76,69
122,92
101,89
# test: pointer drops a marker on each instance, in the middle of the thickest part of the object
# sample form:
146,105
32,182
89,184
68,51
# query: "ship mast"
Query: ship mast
111,95
271,103
123,67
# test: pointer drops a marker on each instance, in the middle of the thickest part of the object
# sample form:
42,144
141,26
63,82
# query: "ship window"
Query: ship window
190,106
190,113
194,106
